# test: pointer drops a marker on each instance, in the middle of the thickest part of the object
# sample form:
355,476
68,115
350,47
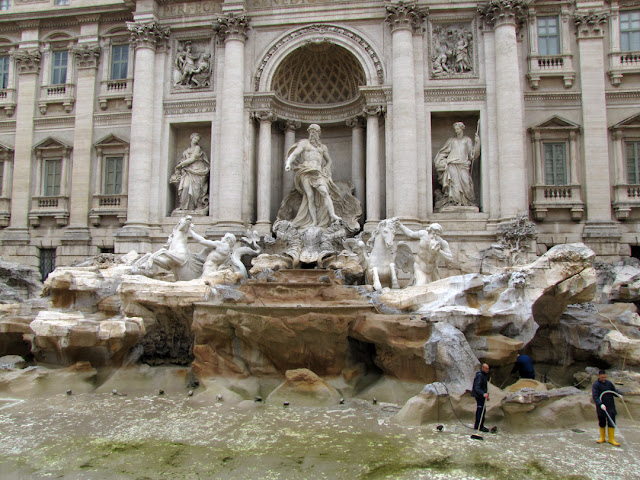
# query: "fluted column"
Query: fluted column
357,157
290,128
263,224
232,28
372,168
145,37
597,187
87,56
404,19
505,16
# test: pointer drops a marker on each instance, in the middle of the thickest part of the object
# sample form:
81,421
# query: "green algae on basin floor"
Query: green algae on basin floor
101,436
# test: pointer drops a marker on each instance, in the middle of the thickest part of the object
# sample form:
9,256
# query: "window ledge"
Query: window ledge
108,206
541,66
54,206
625,198
116,90
553,197
8,100
52,94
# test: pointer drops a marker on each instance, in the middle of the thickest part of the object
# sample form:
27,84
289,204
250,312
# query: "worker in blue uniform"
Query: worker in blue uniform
480,391
605,406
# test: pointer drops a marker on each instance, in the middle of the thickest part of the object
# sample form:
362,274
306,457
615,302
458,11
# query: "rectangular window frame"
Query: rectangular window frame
47,262
555,168
113,170
629,31
51,177
2,163
119,65
632,164
5,5
59,67
545,39
5,61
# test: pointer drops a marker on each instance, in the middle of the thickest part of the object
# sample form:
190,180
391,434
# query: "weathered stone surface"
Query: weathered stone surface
65,338
302,387
38,380
617,348
510,304
12,362
18,282
527,383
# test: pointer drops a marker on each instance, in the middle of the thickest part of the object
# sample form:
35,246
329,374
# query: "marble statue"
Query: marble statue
175,254
431,248
192,69
378,256
317,200
453,165
192,178
226,254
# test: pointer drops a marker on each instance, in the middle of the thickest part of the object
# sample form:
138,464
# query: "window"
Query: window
4,71
52,172
1,177
61,2
5,4
633,162
47,262
548,36
59,68
555,171
113,176
630,31
119,62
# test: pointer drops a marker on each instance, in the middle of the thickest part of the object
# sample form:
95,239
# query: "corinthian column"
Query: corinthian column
357,157
263,224
232,28
145,37
590,31
372,168
505,16
290,128
404,19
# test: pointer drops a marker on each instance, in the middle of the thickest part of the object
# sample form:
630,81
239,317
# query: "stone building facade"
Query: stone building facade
99,99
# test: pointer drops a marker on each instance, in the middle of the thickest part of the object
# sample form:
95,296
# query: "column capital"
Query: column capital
291,125
406,15
88,55
374,110
355,122
616,134
28,61
265,116
503,12
147,35
232,26
590,24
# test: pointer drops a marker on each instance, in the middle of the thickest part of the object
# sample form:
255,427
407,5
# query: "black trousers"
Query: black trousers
604,420
479,407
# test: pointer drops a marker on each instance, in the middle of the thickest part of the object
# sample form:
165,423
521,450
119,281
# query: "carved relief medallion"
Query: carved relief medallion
192,64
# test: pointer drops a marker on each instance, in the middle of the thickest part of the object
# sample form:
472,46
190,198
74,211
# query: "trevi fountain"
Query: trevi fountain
318,350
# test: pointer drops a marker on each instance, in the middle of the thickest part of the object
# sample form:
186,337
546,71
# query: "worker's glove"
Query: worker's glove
603,407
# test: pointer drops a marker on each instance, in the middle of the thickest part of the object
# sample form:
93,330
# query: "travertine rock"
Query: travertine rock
11,362
302,387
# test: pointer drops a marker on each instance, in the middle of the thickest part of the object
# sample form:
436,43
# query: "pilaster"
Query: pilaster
600,231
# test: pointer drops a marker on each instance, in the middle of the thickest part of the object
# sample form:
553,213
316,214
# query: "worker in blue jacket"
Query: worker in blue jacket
605,406
480,391
524,367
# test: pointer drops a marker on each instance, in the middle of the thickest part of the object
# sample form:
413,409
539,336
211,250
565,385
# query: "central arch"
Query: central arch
352,41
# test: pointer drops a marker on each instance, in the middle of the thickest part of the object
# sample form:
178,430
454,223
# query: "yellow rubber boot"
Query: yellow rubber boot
602,437
612,437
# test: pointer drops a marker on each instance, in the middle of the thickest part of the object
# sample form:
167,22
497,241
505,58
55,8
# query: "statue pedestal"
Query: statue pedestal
459,209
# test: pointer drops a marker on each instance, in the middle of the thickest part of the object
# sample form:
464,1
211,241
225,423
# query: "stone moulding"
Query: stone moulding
193,106
455,94
500,12
332,33
123,118
590,24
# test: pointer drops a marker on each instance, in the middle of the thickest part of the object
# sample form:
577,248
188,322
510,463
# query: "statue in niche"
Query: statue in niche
431,248
451,50
192,69
453,165
192,178
317,201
